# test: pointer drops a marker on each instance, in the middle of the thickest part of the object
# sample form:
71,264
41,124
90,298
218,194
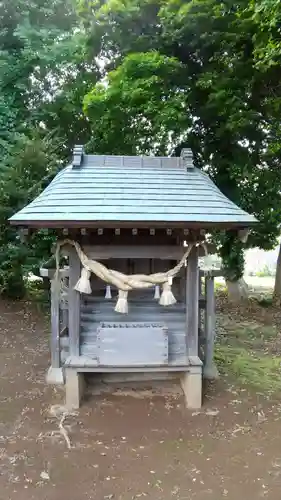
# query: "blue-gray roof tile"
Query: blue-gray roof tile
113,189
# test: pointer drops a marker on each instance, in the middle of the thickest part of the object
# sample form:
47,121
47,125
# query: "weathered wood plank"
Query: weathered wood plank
73,303
85,365
176,350
192,292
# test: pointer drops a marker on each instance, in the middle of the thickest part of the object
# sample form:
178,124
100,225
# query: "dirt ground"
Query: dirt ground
143,444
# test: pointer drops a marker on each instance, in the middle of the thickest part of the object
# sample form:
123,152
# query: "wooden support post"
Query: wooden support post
200,287
55,375
209,369
192,295
191,383
64,319
55,324
74,388
73,303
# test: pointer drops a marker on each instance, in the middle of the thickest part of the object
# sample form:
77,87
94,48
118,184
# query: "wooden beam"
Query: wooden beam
133,252
192,296
73,303
55,324
162,252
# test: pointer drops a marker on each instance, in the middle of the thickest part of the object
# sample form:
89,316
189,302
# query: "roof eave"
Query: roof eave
59,224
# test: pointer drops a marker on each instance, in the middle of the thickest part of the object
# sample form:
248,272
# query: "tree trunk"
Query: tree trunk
277,285
237,290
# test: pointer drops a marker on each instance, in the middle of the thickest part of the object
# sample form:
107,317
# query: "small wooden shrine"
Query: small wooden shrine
122,304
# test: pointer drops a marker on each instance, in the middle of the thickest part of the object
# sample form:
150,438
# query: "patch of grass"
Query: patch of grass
241,353
261,372
247,333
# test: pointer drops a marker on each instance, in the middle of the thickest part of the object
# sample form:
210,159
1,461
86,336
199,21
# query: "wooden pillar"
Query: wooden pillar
200,287
55,372
64,301
191,381
55,324
64,317
74,303
192,295
209,369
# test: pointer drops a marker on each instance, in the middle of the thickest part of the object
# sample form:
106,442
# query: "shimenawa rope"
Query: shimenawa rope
122,281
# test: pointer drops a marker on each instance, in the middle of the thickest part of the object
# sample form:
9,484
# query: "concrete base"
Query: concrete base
55,376
191,383
210,372
74,388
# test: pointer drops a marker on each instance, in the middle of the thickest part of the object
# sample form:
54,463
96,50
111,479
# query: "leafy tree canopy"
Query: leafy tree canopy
44,74
214,95
157,75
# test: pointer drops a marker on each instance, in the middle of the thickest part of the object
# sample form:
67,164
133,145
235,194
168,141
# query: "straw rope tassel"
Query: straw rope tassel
122,302
83,285
157,292
108,292
167,297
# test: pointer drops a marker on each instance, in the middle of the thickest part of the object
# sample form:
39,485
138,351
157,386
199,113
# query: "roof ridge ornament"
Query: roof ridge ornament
78,153
187,158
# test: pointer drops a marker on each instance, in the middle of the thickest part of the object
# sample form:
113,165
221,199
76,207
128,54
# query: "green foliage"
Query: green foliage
228,106
44,74
220,287
38,291
264,272
231,252
141,105
25,171
154,76
265,301
267,16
